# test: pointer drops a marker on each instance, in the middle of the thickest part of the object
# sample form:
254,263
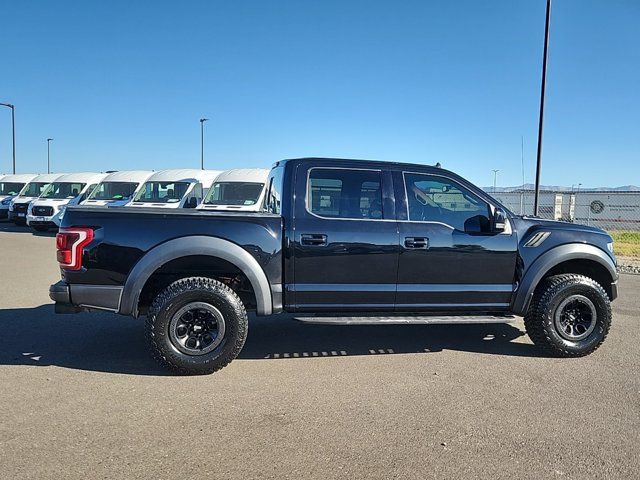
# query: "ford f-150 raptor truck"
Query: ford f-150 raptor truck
342,242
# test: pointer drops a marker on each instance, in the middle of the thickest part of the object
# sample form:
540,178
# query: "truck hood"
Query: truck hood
534,222
560,233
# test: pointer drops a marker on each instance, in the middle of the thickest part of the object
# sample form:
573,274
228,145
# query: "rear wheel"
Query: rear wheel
196,326
569,316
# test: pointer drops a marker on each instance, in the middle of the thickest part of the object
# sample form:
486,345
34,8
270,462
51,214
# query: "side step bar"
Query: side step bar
420,320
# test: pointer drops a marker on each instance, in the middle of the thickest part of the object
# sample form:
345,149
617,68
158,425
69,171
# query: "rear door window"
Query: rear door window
345,193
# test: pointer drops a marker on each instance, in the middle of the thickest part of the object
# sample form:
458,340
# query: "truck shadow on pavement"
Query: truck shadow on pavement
112,343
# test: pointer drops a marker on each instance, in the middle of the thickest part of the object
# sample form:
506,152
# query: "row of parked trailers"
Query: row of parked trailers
604,209
40,201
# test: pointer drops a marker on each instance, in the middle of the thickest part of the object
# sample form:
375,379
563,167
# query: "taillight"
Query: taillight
69,243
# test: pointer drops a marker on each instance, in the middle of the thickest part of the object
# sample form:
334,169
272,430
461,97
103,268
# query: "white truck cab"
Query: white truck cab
117,188
10,186
69,189
241,189
182,188
30,192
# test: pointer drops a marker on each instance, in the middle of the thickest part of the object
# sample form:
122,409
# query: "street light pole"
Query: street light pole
495,178
202,120
49,155
13,128
541,120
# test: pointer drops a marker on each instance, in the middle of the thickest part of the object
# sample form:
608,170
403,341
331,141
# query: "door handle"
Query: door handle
313,239
416,243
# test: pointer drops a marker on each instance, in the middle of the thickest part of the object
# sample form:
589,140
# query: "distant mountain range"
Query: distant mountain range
557,188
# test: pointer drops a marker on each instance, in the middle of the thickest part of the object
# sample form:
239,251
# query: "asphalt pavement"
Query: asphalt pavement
80,397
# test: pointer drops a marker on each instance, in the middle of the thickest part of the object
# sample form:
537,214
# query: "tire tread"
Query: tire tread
163,300
538,313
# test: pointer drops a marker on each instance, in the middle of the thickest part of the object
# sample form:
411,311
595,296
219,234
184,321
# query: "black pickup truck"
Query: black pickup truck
342,242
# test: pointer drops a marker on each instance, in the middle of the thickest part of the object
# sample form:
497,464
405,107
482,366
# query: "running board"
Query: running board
420,320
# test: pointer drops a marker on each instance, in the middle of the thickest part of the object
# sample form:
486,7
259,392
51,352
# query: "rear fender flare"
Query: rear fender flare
550,259
195,245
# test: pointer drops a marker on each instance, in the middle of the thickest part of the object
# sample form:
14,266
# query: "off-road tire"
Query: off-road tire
174,297
540,318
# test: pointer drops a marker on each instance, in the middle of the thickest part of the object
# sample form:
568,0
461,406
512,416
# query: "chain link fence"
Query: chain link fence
606,210
616,212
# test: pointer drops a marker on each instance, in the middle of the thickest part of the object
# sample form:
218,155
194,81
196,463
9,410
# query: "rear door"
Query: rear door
449,257
345,244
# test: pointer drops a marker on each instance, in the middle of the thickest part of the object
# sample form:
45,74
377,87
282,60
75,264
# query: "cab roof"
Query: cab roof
20,178
258,175
82,177
191,175
382,164
47,177
137,176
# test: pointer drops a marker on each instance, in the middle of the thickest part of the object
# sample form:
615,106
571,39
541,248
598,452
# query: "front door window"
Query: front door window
432,198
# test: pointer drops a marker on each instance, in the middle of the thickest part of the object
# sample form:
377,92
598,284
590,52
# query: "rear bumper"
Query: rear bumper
59,293
75,298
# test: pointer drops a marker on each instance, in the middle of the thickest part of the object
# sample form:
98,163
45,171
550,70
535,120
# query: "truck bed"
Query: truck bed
132,232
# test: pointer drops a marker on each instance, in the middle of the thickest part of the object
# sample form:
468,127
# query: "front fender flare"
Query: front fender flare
550,259
195,245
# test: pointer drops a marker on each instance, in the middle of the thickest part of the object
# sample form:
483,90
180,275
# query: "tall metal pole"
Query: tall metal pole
202,120
495,178
541,121
13,128
48,155
522,158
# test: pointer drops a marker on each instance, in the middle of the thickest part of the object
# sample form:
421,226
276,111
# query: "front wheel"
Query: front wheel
569,316
196,326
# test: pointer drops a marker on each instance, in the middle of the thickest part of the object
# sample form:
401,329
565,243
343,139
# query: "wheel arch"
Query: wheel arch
197,245
570,258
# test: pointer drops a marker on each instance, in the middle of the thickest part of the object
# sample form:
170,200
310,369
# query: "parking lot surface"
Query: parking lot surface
80,397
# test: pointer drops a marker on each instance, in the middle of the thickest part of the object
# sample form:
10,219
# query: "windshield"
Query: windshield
10,188
60,190
34,189
234,193
113,191
162,192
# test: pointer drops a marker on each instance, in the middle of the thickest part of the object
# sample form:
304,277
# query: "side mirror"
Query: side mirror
499,221
477,224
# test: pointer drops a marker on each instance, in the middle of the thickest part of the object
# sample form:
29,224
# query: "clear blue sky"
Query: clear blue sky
121,84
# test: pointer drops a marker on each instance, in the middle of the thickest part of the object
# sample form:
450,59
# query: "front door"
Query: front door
345,242
449,257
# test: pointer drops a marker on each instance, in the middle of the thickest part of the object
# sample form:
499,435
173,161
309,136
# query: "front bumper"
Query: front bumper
36,221
77,297
18,214
15,217
33,223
